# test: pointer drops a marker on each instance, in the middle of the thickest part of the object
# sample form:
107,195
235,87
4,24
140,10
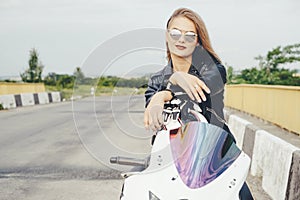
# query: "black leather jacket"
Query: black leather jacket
209,70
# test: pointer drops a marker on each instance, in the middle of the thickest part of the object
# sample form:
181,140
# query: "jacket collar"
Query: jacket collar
169,69
194,68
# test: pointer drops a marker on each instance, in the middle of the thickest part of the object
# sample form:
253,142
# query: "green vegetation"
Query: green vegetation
79,85
34,73
1,106
269,71
85,90
60,81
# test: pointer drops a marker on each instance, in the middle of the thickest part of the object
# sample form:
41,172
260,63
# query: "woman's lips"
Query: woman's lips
180,47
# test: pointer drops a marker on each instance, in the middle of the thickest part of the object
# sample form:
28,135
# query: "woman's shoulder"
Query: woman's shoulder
167,70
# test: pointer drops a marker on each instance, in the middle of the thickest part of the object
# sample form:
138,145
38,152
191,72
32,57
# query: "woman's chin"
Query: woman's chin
182,54
186,53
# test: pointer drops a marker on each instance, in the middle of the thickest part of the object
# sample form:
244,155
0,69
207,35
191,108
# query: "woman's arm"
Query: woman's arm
210,70
152,89
153,113
155,98
192,85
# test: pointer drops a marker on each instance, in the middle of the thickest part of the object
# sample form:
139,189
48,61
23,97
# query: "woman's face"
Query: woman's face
181,37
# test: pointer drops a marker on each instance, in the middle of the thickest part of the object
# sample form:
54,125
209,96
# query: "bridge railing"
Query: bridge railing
277,104
19,88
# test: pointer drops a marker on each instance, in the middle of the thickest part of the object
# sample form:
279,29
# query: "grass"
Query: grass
85,90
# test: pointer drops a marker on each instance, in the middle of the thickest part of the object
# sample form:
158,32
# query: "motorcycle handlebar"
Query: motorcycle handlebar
129,161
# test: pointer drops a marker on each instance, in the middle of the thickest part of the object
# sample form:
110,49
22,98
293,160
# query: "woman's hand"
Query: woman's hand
153,114
191,84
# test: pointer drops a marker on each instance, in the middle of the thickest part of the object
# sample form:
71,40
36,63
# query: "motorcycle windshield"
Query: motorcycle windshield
201,153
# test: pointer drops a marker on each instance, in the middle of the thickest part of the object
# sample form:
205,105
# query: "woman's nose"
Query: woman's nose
181,39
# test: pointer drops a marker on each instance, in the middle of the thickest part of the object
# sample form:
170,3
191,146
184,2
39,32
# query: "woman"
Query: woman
195,68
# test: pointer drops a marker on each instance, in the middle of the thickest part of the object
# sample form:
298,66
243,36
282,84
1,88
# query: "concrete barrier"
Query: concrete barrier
249,139
293,188
237,126
27,99
8,101
18,100
274,160
226,115
43,98
56,97
271,160
36,98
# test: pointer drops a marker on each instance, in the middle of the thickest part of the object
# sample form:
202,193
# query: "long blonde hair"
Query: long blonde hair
203,37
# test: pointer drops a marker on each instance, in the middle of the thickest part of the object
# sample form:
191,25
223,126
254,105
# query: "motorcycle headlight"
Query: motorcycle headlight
152,196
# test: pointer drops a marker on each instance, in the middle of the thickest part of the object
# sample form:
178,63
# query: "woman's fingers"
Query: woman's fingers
194,91
150,122
160,117
197,91
199,87
156,115
192,85
190,93
203,86
153,118
200,93
146,119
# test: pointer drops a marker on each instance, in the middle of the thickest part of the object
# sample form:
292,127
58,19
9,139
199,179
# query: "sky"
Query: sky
66,32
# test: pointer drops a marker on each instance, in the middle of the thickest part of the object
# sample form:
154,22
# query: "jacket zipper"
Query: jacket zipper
217,116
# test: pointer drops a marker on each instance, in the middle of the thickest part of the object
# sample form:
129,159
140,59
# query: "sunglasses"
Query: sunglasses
176,34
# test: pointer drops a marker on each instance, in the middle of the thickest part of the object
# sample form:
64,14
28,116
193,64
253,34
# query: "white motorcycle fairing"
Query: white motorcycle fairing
190,165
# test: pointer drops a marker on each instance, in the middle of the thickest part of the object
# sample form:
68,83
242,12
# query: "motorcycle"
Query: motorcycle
189,160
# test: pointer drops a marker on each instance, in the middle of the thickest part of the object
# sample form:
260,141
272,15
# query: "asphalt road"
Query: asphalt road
45,153
62,150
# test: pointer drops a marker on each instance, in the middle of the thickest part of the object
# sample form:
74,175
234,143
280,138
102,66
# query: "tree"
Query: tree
269,71
282,55
34,73
78,74
59,80
65,81
230,75
51,78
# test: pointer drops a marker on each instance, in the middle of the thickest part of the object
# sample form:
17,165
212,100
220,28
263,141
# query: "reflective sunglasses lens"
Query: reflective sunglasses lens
175,34
190,37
